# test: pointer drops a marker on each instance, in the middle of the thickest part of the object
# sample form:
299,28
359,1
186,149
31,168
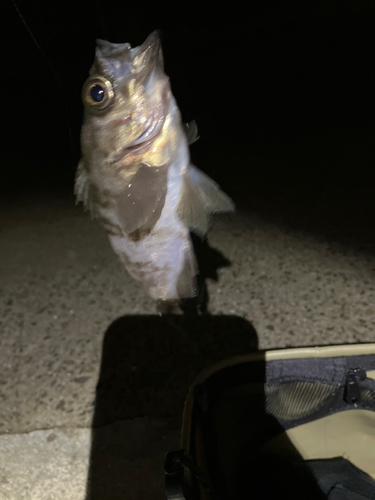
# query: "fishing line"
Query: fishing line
67,115
101,18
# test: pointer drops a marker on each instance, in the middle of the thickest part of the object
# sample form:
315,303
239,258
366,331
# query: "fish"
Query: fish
135,174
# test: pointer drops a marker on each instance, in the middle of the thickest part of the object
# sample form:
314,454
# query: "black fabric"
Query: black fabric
318,370
339,479
268,477
277,478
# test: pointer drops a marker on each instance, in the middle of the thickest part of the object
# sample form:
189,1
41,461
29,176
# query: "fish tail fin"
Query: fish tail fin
187,281
168,306
200,198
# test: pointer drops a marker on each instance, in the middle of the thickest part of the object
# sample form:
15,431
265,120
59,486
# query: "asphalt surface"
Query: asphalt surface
286,270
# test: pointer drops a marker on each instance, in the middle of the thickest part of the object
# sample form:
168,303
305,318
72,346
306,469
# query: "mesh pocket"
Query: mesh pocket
297,400
368,398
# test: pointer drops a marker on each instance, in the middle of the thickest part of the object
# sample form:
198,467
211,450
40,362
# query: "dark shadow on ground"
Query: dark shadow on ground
148,364
209,262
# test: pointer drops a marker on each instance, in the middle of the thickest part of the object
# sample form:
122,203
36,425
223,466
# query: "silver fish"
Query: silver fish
135,174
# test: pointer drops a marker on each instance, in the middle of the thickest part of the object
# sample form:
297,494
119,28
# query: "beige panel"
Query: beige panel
349,434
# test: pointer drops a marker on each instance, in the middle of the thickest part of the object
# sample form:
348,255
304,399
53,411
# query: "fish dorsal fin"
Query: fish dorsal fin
139,205
191,132
200,198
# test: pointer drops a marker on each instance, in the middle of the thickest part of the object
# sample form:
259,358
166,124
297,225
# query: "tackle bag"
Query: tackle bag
285,424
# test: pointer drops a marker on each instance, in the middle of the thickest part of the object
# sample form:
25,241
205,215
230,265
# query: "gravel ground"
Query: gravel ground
70,316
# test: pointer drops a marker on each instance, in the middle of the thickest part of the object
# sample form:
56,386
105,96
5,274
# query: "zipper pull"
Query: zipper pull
352,390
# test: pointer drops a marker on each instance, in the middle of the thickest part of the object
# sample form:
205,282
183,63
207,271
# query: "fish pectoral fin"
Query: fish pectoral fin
81,186
191,132
140,204
83,189
201,197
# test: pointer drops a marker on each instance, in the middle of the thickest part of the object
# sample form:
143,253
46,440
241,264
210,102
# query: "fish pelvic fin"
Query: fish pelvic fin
200,198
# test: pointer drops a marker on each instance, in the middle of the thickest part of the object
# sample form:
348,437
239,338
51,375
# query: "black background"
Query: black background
283,93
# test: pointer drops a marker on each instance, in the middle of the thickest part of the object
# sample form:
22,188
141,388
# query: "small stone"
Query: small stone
81,380
61,405
51,438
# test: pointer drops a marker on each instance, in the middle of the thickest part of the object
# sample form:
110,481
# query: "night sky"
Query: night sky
283,92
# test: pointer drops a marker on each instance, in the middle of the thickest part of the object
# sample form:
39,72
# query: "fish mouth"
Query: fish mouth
143,141
153,129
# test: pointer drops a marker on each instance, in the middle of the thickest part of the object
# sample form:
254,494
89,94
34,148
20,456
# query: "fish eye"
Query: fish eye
97,93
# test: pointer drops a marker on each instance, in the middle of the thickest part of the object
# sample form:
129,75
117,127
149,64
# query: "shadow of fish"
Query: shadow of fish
135,174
